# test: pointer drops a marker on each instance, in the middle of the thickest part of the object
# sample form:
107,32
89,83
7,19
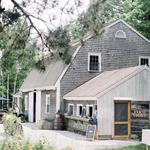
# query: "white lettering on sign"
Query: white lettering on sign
138,113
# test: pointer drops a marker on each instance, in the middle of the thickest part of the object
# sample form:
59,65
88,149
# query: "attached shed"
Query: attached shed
123,100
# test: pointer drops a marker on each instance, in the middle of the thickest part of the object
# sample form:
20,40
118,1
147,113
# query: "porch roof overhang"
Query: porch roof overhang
39,88
81,98
103,83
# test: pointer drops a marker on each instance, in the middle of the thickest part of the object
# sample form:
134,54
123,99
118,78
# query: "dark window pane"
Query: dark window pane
90,111
121,129
144,61
0,104
121,112
80,110
94,63
71,110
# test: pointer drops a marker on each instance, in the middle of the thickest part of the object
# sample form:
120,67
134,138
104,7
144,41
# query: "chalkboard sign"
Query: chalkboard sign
90,132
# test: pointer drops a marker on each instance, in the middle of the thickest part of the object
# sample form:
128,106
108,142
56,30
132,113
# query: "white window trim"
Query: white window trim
69,107
99,59
26,102
120,37
47,95
144,57
87,108
78,105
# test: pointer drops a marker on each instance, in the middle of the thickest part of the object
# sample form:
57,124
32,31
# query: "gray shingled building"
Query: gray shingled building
104,61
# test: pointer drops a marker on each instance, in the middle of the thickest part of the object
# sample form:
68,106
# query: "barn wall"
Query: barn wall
52,104
115,53
137,88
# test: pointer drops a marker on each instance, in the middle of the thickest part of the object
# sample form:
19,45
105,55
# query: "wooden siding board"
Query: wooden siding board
133,88
52,104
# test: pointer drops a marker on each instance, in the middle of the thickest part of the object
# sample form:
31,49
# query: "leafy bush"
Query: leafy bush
12,124
12,144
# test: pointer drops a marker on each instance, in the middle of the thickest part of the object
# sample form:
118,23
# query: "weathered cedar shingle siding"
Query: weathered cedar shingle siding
52,104
115,54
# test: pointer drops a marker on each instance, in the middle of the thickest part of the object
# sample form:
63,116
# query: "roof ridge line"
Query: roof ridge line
120,81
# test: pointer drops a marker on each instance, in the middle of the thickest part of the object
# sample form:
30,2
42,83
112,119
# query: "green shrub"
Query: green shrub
13,144
12,125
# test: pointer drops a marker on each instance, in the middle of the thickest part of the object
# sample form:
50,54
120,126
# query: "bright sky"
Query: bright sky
53,17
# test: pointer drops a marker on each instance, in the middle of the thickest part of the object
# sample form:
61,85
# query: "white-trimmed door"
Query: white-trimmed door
38,106
31,106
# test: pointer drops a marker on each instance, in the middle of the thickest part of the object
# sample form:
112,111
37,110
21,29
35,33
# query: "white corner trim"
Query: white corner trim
99,60
38,106
57,84
66,68
58,100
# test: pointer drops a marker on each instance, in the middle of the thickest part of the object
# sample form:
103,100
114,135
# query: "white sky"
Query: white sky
48,13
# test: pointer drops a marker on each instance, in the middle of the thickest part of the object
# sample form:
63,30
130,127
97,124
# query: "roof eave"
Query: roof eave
80,98
121,81
44,88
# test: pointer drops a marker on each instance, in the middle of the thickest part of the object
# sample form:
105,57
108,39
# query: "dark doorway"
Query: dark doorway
34,106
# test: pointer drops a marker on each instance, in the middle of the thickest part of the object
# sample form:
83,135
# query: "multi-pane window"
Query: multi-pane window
71,109
47,103
144,61
94,62
79,109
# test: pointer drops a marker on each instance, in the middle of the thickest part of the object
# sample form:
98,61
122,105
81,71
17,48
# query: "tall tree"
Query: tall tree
137,13
18,56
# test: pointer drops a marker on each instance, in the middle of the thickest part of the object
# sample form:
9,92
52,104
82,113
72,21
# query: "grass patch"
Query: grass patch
137,147
14,144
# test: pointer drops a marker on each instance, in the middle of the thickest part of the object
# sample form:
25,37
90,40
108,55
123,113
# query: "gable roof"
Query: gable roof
129,26
46,80
38,79
102,83
56,70
91,34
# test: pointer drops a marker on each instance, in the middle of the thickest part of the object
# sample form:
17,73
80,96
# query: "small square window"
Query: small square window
94,62
144,61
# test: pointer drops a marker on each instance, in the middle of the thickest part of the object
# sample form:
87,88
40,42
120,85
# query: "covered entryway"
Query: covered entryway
35,106
122,119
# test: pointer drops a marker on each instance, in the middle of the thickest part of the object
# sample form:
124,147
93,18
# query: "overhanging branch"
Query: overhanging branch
28,16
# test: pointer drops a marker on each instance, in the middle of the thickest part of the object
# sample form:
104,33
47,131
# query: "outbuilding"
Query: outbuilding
120,99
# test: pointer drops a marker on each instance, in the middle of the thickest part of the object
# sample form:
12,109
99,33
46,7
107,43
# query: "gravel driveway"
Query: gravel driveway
65,139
